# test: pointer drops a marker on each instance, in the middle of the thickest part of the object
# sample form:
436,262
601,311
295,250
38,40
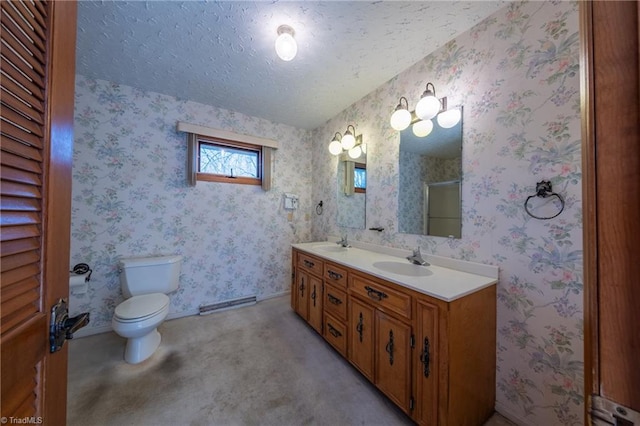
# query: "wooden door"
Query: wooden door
37,67
361,336
393,359
611,188
315,303
426,363
302,294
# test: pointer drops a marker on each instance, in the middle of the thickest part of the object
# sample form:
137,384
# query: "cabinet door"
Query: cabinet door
302,294
361,321
315,303
426,366
393,359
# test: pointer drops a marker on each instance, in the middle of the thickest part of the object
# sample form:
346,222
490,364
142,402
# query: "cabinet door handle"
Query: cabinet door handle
389,347
313,296
333,331
308,264
375,294
360,326
302,287
334,275
334,299
425,357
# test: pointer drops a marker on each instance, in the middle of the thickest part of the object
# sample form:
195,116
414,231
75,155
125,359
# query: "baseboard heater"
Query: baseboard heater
235,303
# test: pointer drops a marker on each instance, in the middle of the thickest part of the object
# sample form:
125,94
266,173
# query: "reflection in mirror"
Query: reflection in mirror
351,191
430,170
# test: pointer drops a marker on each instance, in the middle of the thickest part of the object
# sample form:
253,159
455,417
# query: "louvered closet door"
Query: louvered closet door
36,97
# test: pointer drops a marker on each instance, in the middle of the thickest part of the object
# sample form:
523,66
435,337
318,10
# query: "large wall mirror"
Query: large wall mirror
352,191
429,196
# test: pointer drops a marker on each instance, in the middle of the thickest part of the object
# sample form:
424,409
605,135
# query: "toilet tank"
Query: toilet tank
144,275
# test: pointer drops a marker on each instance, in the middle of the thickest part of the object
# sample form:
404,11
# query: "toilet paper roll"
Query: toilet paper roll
76,280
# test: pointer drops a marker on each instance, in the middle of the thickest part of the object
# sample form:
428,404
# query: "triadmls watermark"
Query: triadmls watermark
27,420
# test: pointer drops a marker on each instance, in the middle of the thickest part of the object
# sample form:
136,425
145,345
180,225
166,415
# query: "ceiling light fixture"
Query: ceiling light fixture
428,106
350,142
286,46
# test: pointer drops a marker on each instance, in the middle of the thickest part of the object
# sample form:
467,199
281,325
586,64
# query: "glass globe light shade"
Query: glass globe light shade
400,119
355,152
422,128
364,148
286,46
348,141
427,107
449,118
335,147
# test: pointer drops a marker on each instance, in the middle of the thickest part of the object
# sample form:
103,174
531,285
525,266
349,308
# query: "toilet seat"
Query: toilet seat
138,308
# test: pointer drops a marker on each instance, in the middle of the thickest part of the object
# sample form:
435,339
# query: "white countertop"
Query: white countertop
457,279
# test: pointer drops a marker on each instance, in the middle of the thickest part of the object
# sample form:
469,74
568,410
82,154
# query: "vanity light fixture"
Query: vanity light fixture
350,142
286,46
428,106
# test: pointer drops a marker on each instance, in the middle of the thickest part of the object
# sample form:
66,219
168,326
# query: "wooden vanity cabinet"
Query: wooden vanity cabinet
426,361
393,359
361,336
434,359
307,291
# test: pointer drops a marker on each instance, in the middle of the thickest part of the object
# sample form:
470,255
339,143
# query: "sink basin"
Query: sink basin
331,249
403,268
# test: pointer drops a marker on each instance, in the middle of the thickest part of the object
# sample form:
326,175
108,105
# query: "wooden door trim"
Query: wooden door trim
610,64
589,230
57,211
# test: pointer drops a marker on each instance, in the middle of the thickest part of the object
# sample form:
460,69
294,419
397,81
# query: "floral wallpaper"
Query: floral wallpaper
131,198
516,74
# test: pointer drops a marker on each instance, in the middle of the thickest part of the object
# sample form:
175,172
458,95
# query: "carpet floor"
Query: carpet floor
257,365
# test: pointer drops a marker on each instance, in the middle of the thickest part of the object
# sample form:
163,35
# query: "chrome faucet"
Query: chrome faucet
343,242
416,258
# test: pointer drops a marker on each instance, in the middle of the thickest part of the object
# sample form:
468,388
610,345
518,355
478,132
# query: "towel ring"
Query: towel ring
544,190
319,208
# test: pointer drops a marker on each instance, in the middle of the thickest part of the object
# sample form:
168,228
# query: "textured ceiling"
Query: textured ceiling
222,53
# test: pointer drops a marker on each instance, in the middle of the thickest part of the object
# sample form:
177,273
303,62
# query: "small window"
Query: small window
223,156
360,178
232,162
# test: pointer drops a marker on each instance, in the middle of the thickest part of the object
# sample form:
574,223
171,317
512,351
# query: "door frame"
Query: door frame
608,246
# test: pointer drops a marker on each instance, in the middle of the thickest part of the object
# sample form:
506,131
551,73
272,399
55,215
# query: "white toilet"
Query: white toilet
145,282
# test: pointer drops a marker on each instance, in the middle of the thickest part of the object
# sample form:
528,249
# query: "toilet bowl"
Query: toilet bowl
137,319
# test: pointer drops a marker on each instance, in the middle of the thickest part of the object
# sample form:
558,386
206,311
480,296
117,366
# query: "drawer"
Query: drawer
381,296
310,263
335,332
335,275
335,301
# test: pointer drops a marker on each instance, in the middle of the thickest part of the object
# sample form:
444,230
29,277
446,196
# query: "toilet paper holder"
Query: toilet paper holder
81,269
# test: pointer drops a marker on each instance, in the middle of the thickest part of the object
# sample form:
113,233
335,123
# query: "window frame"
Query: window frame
361,166
219,142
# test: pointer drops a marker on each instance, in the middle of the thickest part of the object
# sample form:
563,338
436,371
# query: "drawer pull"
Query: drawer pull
389,347
375,294
334,275
333,331
360,327
308,264
425,358
334,299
